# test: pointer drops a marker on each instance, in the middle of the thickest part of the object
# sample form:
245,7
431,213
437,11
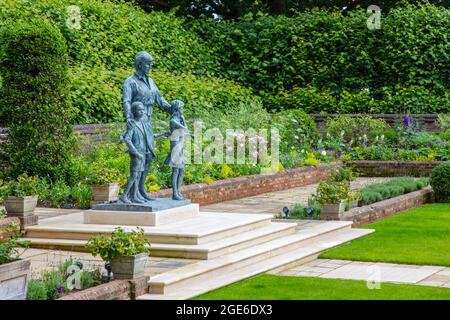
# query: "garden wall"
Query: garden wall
114,290
385,208
246,186
427,121
368,168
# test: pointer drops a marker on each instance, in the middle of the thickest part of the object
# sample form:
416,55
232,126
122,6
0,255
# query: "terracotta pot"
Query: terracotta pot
334,208
14,280
20,206
129,267
106,192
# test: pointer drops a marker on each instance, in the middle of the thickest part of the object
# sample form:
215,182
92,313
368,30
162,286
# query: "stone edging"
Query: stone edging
370,168
246,186
385,208
114,290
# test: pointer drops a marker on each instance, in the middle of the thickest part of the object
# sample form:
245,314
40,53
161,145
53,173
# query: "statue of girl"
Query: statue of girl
175,159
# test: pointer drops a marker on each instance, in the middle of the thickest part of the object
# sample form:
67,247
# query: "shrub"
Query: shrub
34,70
296,129
9,243
119,243
21,187
440,181
54,283
332,192
37,290
354,129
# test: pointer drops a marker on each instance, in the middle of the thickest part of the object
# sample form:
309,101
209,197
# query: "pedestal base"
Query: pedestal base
158,204
140,218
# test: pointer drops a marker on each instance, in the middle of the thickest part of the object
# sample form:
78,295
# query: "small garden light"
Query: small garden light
286,212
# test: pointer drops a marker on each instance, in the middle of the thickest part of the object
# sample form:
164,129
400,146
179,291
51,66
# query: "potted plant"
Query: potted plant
21,196
127,252
105,184
353,198
332,196
14,273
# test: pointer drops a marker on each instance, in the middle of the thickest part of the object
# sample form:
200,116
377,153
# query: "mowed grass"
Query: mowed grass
270,287
417,236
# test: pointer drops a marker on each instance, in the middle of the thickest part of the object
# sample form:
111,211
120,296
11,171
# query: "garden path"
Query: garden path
273,202
373,272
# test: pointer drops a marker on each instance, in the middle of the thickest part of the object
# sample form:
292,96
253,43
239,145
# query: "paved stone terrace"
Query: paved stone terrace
436,276
273,202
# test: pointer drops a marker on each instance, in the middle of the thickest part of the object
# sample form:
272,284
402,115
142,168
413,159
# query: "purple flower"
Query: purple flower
59,289
408,121
442,143
337,155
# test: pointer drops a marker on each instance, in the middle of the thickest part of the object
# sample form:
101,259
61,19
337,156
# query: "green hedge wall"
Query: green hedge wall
34,69
336,62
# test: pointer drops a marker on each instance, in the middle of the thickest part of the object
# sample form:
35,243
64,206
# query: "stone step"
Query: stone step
171,281
204,228
227,245
186,283
203,251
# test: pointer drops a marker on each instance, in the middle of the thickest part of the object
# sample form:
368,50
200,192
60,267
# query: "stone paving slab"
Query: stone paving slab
273,202
373,271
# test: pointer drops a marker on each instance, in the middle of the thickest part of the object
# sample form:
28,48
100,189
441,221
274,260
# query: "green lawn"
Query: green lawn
417,236
269,287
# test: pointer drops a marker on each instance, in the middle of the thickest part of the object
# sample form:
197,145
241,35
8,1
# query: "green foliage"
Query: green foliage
102,175
332,192
391,188
9,243
37,290
343,174
119,243
33,65
53,280
296,128
440,181
23,186
353,128
311,60
311,211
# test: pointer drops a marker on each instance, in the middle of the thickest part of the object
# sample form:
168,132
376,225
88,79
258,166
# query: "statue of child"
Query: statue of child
175,159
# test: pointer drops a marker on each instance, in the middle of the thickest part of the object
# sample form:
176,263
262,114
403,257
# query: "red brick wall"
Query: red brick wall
246,186
386,208
114,290
393,168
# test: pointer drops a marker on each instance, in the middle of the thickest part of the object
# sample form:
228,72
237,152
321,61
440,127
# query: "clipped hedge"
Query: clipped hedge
34,70
320,58
440,181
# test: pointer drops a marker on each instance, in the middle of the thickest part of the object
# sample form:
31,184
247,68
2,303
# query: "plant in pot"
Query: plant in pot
353,198
105,184
332,196
21,196
14,273
126,251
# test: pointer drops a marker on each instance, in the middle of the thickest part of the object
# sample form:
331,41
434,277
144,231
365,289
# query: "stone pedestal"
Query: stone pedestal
140,218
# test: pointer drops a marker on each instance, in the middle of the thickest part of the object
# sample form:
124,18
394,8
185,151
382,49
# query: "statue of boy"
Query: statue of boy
175,159
139,145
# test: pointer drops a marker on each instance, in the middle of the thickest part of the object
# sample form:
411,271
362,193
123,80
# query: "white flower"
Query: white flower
324,153
296,137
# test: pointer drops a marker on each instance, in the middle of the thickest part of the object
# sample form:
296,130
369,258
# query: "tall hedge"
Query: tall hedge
34,67
337,60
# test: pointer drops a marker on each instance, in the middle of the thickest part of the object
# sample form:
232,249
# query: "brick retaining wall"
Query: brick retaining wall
246,186
393,168
114,290
385,208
